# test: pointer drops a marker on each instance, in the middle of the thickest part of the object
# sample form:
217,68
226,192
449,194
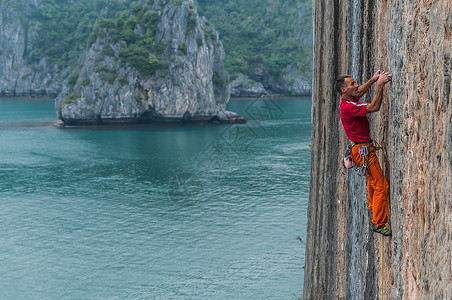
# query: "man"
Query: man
356,125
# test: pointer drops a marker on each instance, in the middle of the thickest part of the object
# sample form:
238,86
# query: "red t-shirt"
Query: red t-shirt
354,120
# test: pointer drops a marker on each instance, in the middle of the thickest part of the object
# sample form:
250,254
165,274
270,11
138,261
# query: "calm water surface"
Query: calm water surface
193,212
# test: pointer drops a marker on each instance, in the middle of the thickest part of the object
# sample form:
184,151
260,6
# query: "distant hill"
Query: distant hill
263,34
65,26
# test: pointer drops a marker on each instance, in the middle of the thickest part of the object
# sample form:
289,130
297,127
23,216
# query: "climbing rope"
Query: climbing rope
382,250
378,146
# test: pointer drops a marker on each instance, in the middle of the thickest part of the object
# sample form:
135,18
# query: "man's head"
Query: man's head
347,87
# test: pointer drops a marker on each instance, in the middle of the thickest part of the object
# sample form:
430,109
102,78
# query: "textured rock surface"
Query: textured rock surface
17,76
195,86
344,260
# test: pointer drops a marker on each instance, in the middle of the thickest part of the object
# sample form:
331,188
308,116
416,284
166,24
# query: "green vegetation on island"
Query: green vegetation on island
65,26
143,51
263,35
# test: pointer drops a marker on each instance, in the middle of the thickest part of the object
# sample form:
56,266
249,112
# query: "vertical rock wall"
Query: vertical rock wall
17,31
344,259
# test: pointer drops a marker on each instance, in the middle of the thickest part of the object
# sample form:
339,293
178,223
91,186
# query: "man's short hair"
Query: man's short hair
340,83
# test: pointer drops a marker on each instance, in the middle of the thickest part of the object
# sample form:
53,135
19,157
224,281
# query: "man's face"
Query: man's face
351,89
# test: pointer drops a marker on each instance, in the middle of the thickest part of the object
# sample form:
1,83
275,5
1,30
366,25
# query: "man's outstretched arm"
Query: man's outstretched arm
375,105
363,89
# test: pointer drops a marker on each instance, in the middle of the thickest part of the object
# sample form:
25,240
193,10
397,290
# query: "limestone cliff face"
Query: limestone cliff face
191,86
344,259
17,76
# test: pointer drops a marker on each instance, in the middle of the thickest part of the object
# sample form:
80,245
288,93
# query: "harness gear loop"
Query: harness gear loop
363,170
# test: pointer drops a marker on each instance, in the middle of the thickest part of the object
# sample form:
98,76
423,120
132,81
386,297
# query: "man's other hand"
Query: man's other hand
384,78
376,76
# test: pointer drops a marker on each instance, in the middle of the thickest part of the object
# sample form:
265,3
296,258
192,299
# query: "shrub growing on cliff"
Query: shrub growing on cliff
192,21
111,78
199,41
103,68
150,21
109,51
70,98
123,81
183,48
84,81
138,58
207,33
217,80
176,2
73,78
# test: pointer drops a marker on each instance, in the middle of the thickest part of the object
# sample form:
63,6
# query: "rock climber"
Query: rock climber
356,125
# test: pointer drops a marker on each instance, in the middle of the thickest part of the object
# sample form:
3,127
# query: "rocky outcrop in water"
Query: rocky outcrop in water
189,82
344,260
17,76
242,86
294,85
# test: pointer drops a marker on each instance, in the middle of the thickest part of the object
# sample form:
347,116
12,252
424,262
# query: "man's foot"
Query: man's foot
381,230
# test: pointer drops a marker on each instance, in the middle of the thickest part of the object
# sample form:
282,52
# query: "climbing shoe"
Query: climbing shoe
381,230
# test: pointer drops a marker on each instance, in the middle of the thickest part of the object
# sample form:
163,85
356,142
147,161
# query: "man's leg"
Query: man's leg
381,190
358,162
370,193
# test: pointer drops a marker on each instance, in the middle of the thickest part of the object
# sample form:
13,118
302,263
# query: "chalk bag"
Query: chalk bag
348,160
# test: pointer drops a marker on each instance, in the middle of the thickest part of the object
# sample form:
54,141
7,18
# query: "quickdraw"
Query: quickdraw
363,170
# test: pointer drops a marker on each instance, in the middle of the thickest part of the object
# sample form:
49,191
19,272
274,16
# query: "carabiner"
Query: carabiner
362,171
363,150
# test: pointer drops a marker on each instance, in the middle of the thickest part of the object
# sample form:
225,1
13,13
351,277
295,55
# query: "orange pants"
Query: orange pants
377,186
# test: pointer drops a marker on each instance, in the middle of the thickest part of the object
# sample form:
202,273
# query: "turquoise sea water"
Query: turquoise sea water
166,212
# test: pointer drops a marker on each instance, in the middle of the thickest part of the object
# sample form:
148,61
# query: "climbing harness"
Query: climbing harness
364,149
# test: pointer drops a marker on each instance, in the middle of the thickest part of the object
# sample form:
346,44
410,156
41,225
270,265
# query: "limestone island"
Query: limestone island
160,62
